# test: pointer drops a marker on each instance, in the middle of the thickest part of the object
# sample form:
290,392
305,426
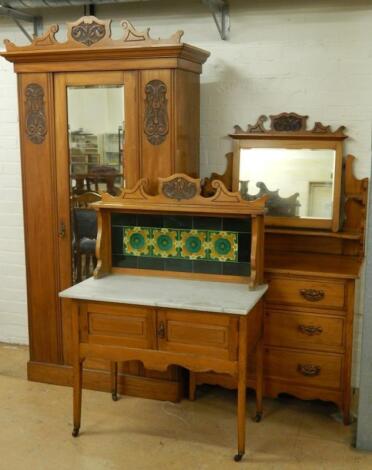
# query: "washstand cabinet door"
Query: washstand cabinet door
117,325
205,334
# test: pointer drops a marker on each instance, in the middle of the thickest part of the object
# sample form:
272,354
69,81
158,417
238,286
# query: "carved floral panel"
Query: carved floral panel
156,125
35,113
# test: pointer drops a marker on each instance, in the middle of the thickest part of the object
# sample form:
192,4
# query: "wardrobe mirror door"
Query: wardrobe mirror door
96,132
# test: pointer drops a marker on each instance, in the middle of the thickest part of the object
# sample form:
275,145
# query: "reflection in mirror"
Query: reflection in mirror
299,182
96,140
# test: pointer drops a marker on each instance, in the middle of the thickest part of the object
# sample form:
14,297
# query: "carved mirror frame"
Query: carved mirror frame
289,130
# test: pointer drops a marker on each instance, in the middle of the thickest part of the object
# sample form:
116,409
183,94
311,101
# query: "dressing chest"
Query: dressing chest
311,265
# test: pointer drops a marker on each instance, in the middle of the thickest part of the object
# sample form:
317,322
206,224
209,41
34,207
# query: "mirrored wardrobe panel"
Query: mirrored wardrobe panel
96,163
96,134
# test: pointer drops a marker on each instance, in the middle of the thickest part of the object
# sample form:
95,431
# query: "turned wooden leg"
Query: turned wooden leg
259,380
78,266
192,385
242,388
77,369
77,395
114,381
87,265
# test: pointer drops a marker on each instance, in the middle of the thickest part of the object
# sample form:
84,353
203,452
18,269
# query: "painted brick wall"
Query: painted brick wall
314,58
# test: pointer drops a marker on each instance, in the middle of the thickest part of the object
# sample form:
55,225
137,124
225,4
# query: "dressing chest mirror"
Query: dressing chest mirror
298,169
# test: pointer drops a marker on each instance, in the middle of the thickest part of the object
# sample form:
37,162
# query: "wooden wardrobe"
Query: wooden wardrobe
159,79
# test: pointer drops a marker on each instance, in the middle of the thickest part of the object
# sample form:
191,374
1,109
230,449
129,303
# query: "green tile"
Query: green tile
137,241
223,246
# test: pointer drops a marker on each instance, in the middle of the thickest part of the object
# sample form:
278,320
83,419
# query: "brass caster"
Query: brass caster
238,457
258,417
75,432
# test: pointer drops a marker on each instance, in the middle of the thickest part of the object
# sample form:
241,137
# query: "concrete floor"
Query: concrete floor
139,434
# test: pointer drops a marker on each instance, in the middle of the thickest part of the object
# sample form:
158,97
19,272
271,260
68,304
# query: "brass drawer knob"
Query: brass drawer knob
309,370
312,295
161,330
310,330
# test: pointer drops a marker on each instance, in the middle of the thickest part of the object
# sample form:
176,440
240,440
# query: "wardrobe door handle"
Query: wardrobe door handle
310,330
161,330
309,370
62,230
312,295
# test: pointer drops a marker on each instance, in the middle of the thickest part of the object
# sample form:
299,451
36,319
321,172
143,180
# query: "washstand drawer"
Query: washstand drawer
306,369
205,334
306,292
121,325
303,330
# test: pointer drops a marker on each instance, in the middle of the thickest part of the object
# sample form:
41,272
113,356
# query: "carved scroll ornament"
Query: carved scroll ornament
156,124
179,188
89,31
290,123
35,113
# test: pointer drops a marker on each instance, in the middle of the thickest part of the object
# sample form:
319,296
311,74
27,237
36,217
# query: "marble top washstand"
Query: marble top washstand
204,296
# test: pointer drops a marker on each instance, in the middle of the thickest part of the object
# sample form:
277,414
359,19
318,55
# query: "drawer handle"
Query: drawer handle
312,295
309,370
161,330
310,330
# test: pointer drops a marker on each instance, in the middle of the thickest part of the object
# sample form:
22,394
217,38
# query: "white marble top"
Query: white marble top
205,296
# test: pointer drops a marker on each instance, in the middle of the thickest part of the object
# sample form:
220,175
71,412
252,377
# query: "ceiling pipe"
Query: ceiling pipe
20,4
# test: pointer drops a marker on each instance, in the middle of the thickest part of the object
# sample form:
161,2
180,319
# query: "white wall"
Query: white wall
313,57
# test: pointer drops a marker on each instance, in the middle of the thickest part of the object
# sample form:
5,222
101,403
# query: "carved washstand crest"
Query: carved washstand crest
179,188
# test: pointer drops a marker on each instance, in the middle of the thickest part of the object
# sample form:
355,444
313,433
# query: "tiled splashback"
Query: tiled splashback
211,245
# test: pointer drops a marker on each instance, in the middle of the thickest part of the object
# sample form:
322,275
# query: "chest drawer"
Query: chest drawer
303,330
121,325
304,368
306,292
199,333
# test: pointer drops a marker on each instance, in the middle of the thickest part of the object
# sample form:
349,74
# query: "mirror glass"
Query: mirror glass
299,182
96,134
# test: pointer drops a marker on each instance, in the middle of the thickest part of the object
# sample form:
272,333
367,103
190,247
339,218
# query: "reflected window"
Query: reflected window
298,182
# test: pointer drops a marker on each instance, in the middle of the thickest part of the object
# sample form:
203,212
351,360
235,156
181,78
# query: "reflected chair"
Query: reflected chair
84,234
106,175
